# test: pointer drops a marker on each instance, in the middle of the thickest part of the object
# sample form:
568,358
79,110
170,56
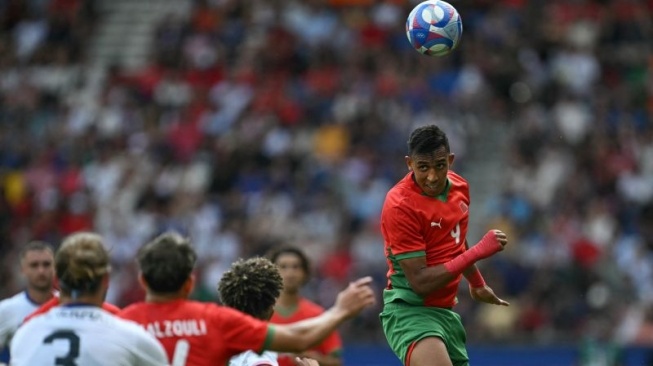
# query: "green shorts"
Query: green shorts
404,324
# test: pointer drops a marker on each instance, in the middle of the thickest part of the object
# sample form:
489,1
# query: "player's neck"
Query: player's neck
39,296
153,297
91,300
288,300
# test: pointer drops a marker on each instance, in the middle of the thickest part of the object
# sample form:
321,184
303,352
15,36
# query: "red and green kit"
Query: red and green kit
415,225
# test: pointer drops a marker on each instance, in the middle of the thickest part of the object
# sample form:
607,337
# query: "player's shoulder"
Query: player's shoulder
402,186
122,327
18,300
110,308
177,308
205,310
134,311
401,193
457,180
35,323
134,308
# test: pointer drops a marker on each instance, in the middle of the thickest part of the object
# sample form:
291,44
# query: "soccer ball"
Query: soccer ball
434,28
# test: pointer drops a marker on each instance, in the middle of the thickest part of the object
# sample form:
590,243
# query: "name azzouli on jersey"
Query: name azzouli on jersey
177,328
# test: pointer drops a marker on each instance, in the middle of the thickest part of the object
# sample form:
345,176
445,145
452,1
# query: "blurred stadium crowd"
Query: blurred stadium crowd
267,122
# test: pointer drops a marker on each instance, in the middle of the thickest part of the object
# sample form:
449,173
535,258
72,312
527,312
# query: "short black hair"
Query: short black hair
251,286
166,262
303,259
35,245
426,140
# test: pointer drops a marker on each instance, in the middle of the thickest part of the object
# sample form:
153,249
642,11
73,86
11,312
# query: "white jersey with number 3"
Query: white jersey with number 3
82,335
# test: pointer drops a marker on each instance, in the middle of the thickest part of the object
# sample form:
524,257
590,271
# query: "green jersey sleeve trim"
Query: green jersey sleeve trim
419,253
268,338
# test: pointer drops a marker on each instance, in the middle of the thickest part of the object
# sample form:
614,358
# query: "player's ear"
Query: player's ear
409,162
451,158
141,280
189,285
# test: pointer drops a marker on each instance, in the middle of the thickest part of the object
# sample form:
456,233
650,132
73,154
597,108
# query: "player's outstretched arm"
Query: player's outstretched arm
426,279
300,336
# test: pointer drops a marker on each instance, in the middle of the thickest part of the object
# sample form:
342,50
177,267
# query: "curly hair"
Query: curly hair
251,286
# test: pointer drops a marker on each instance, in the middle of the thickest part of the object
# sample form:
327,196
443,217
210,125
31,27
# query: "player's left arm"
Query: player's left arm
478,289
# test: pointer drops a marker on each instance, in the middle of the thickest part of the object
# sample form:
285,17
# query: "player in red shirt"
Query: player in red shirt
56,300
424,225
294,268
198,334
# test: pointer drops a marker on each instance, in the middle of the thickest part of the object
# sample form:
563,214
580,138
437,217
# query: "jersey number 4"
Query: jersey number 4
73,351
182,348
455,233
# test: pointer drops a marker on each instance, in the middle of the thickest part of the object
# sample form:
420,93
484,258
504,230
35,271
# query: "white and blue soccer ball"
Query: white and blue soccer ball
434,28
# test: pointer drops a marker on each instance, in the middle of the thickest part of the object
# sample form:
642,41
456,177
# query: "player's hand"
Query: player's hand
486,295
501,237
299,361
356,297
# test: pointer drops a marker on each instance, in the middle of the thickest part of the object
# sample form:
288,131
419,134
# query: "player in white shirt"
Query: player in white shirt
79,332
37,266
251,358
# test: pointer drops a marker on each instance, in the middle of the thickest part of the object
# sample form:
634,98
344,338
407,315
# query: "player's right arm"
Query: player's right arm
403,232
300,336
426,279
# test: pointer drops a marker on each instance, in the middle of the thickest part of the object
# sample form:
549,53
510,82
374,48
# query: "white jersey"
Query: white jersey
12,312
84,335
251,358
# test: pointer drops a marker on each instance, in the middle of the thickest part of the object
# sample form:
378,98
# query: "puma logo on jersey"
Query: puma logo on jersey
438,224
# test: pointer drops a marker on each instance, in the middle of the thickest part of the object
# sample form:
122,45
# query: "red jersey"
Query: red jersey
197,334
54,302
306,310
415,225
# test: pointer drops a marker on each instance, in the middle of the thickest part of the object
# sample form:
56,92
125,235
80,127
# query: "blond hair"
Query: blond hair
81,262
